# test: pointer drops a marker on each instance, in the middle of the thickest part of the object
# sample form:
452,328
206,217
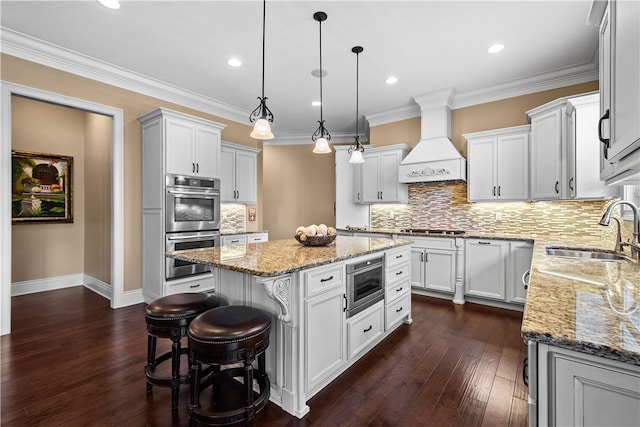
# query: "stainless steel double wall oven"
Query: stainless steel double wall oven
192,206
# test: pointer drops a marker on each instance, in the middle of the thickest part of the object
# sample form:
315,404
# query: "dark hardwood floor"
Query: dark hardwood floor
73,361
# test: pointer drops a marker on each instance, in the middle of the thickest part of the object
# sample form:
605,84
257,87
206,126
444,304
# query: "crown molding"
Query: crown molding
44,53
532,84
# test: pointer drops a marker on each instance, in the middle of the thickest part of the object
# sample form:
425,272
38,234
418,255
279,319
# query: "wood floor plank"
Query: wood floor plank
73,361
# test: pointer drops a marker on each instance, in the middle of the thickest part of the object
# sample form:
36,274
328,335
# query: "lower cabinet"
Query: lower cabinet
202,283
365,328
243,239
497,269
397,288
433,264
579,389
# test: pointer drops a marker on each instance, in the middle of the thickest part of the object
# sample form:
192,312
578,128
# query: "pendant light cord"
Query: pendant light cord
264,20
357,93
321,102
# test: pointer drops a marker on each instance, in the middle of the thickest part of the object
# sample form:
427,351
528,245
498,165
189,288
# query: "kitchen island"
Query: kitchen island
313,340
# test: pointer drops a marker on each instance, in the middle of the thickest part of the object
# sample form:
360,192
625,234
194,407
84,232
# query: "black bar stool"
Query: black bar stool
169,317
224,336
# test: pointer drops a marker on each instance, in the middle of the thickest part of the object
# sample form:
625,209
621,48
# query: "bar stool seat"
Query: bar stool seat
169,317
225,336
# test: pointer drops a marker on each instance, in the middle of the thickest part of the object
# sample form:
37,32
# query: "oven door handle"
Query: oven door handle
208,195
192,237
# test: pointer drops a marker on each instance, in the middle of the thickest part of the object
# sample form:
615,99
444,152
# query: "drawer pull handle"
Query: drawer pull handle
399,310
399,289
399,273
484,243
398,256
368,329
327,279
194,286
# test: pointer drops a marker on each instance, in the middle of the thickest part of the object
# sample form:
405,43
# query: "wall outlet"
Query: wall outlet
392,215
498,216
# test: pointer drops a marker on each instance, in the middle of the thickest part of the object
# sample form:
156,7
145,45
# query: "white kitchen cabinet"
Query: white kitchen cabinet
349,209
546,151
631,193
564,150
192,148
485,268
620,90
379,175
238,173
498,164
433,264
397,297
365,328
325,343
234,239
357,182
579,389
257,237
520,255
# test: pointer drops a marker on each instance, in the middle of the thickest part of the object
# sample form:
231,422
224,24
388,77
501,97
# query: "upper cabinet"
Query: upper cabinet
619,124
498,164
564,150
238,173
187,145
378,178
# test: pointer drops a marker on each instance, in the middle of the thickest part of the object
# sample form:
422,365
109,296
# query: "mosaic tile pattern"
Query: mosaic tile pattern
233,218
445,205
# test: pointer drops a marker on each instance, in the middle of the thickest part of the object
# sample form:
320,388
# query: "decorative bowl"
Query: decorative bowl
316,240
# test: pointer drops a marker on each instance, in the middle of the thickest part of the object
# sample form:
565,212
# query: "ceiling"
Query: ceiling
181,47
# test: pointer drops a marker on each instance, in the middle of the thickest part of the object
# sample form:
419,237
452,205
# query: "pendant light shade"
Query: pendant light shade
356,149
262,115
321,136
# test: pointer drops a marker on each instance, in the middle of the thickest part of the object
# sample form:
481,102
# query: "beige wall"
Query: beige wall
299,189
133,105
97,179
54,249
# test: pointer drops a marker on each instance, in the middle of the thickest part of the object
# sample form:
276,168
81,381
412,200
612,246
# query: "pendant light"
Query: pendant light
321,136
262,115
356,149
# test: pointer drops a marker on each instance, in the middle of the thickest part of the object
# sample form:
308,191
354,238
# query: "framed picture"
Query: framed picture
41,187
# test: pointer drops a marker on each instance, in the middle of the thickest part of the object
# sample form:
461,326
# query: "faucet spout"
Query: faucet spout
634,244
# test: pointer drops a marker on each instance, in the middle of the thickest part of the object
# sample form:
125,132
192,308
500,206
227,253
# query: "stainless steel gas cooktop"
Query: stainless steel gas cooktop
432,231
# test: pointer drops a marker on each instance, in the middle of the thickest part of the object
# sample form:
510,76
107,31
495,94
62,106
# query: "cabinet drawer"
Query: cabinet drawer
205,283
445,243
323,279
398,256
398,273
365,328
397,290
258,237
397,310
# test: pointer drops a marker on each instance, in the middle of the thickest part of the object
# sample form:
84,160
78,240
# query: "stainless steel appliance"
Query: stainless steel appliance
192,203
365,284
175,268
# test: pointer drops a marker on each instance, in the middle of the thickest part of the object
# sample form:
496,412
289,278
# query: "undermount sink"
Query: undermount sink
585,253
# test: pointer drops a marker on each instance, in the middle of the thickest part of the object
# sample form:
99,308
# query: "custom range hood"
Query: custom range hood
435,158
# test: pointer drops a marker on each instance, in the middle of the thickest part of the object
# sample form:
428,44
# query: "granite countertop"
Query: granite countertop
590,306
278,257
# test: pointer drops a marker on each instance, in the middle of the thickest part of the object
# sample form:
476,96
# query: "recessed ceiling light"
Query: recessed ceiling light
316,103
234,62
495,48
391,80
111,4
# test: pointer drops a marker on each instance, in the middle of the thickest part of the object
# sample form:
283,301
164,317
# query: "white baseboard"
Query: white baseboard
48,284
99,287
133,297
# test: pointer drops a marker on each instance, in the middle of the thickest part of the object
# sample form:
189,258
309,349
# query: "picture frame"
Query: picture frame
41,189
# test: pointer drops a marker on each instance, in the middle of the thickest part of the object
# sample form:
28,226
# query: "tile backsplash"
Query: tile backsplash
445,205
234,217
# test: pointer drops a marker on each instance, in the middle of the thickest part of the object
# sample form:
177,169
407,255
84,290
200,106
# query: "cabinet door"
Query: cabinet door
440,270
417,267
625,79
606,168
227,174
482,170
485,268
357,182
246,177
520,257
180,144
591,395
370,178
389,185
208,152
325,338
546,155
513,167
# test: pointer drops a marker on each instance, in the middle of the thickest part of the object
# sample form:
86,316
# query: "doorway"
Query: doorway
117,190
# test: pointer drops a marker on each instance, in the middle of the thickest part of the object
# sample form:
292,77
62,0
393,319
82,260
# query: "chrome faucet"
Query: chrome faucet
635,244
